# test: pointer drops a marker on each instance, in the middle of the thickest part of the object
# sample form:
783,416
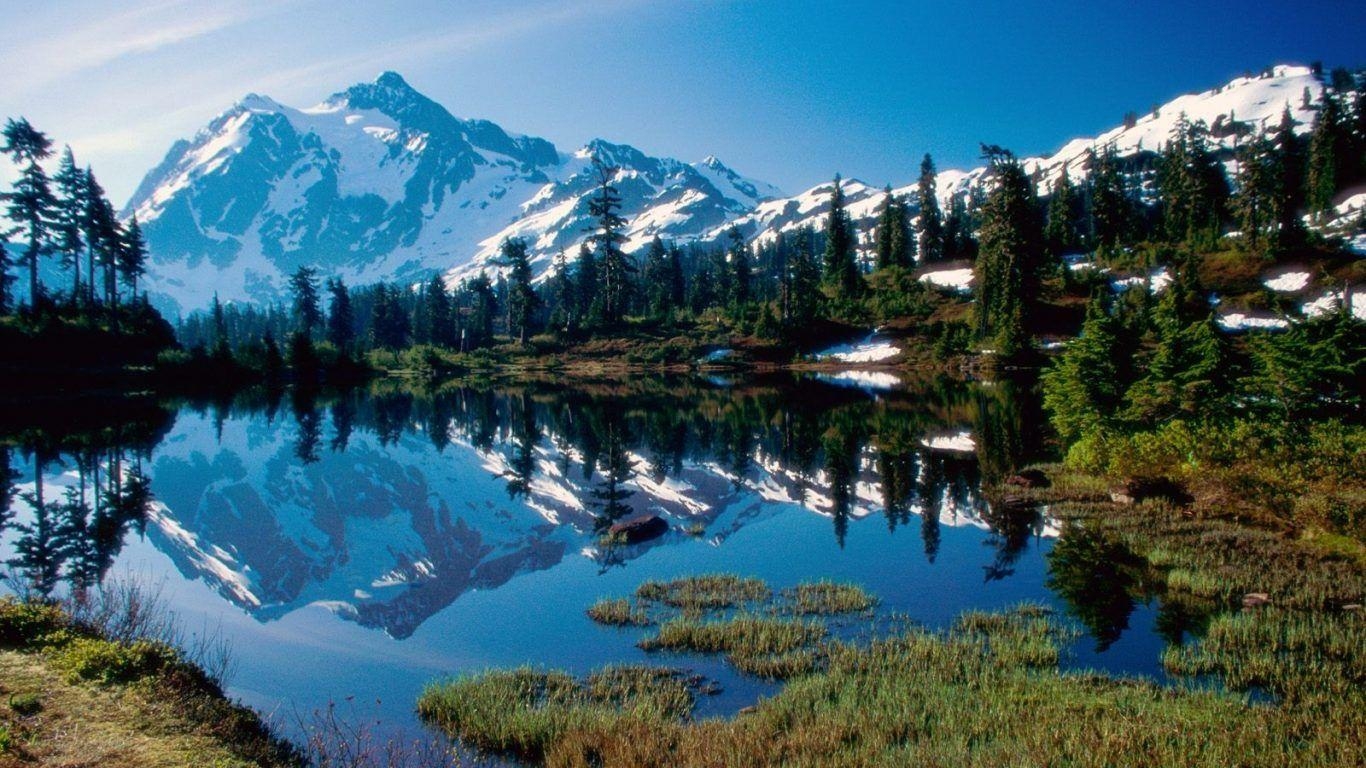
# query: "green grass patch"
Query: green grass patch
756,645
705,592
618,612
823,598
979,694
521,712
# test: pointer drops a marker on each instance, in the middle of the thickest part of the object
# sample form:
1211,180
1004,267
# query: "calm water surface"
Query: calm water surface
350,548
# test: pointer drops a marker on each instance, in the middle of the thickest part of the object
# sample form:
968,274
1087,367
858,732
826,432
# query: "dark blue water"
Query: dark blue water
352,548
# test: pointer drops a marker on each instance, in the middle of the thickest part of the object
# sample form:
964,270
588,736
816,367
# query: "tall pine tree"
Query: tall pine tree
523,302
616,266
931,220
1011,264
31,203
841,270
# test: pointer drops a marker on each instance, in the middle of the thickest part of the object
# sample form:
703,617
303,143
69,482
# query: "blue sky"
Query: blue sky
789,92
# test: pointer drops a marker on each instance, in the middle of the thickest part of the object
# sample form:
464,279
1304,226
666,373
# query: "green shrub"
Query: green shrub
29,624
108,662
26,704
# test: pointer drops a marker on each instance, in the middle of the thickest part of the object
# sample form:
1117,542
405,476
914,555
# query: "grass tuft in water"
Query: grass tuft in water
825,598
705,592
618,612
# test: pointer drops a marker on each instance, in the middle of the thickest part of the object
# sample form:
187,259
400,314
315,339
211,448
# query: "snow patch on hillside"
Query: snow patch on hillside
871,350
957,279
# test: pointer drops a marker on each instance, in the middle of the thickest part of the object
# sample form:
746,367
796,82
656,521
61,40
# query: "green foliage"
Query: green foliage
1083,389
1011,266
26,704
1314,370
106,662
26,625
841,271
931,224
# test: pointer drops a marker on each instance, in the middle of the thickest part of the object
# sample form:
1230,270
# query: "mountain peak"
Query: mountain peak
393,80
256,102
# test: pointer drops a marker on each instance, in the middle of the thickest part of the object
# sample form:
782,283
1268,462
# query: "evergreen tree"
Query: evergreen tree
931,220
96,226
589,302
31,204
132,258
70,184
608,237
1111,209
674,276
341,322
1290,152
1321,178
440,313
1185,373
1314,370
5,278
840,266
563,295
1191,185
882,232
483,310
1083,389
739,282
222,352
1062,233
1011,265
894,244
658,293
1259,193
303,284
805,276
523,302
389,325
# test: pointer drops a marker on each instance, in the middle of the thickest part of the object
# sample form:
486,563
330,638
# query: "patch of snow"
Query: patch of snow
1330,301
870,350
958,279
1243,321
1287,282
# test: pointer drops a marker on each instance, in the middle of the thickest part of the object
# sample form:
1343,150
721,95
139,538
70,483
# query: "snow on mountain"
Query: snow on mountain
1233,112
660,197
379,182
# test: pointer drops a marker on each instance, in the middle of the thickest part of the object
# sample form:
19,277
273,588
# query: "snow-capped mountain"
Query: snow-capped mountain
379,182
660,197
1242,108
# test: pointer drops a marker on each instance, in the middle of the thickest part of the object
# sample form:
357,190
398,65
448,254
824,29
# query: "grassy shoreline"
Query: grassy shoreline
989,691
72,696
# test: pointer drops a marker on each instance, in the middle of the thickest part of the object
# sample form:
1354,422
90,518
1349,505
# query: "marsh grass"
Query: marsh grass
705,592
988,691
826,598
981,693
521,712
757,645
618,612
1306,659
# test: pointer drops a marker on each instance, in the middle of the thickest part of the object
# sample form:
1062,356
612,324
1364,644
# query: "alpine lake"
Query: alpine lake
348,548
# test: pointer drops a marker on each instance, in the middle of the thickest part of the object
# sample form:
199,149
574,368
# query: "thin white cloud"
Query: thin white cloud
42,60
